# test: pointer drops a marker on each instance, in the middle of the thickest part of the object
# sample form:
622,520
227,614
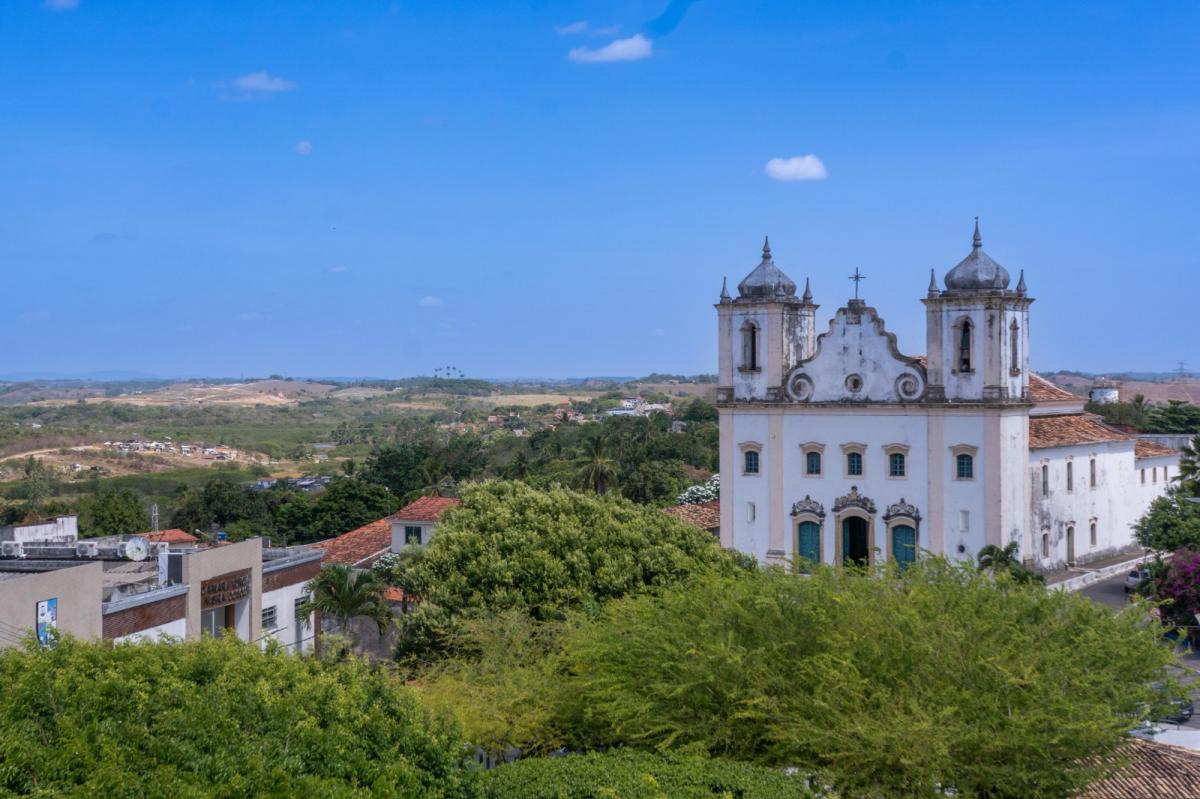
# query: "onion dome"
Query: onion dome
766,282
977,272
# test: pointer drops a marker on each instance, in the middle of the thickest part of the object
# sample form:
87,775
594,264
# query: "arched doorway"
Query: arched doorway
810,517
1071,544
856,542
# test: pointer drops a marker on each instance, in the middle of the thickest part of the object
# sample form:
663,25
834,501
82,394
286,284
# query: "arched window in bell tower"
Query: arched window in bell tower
1014,354
750,346
964,346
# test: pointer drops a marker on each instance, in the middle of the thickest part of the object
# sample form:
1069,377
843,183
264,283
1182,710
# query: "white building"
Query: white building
837,447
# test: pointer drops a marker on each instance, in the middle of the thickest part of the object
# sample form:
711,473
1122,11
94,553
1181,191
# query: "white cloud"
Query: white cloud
634,48
339,268
262,82
429,302
303,147
800,167
575,27
61,5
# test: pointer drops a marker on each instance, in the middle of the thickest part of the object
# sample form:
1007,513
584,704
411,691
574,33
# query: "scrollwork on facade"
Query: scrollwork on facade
902,509
909,386
808,505
854,500
799,386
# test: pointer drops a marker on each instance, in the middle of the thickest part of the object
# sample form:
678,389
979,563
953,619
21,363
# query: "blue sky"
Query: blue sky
557,188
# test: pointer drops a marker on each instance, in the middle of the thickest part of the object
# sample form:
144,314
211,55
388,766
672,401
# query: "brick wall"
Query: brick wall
301,573
143,617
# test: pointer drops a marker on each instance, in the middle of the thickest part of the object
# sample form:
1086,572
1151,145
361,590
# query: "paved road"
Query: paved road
1111,592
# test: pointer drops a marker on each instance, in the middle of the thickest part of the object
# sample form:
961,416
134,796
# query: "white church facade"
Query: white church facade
836,447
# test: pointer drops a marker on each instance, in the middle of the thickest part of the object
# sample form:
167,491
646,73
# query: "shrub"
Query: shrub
216,717
623,774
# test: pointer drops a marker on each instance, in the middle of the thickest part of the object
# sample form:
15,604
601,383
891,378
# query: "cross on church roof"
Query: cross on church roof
857,278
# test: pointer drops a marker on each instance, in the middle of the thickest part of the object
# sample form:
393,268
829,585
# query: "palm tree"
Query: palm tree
1189,465
997,560
343,593
596,469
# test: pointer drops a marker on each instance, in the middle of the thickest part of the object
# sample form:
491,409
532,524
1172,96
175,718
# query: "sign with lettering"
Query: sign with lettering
47,620
225,589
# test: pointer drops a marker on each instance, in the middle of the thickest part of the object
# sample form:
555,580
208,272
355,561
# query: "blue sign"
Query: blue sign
47,620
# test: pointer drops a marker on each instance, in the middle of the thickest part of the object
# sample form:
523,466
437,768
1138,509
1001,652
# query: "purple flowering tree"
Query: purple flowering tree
1181,587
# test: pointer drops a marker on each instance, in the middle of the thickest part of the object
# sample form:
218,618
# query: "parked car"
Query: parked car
1135,578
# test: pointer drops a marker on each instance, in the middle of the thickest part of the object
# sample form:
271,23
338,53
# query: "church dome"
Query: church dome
766,282
977,272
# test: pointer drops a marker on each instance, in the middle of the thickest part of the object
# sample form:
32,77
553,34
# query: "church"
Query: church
836,447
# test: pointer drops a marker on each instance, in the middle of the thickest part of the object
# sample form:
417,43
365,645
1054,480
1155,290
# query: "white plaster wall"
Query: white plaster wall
965,536
1016,384
288,629
746,384
176,629
833,429
1116,503
958,385
749,536
856,348
1014,491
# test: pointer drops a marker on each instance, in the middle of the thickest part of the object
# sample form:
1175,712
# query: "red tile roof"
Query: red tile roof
1071,428
426,509
359,547
172,536
1042,390
706,515
394,594
1151,449
1154,772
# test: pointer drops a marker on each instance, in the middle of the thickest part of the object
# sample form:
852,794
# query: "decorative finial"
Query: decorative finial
1021,285
807,291
933,286
766,248
978,240
725,290
857,278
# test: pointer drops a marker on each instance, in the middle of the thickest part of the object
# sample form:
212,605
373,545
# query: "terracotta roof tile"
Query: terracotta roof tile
359,547
426,509
1042,390
172,536
1156,771
1151,449
706,515
1071,428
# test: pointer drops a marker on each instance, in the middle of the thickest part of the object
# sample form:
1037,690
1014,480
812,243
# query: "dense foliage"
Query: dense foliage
214,718
632,775
1174,417
509,546
1172,522
544,552
902,684
1176,585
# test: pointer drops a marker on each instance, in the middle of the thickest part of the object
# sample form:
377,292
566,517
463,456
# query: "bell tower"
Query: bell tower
977,332
762,333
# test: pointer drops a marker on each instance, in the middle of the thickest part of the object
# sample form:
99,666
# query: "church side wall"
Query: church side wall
1114,504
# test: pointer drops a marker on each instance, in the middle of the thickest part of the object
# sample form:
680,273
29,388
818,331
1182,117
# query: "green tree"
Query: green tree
113,512
918,683
1174,417
216,717
595,466
38,481
509,546
344,594
635,775
1172,522
346,504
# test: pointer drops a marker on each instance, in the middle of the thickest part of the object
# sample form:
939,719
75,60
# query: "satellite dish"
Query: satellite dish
137,548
